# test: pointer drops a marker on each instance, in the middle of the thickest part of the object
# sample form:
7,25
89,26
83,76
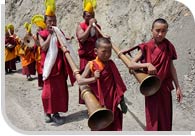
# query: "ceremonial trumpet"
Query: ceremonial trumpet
149,84
99,117
29,40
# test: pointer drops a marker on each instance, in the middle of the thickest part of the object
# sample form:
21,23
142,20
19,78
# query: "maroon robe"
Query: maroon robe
158,107
55,90
86,52
112,88
11,64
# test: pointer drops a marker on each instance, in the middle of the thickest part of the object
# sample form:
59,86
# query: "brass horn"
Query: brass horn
99,117
149,84
29,40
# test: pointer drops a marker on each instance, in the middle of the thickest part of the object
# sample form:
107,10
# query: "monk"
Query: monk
10,44
160,52
55,90
111,86
27,56
13,34
38,20
87,36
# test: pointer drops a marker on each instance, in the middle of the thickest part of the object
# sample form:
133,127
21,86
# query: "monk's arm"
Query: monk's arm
176,82
84,79
44,44
83,35
135,65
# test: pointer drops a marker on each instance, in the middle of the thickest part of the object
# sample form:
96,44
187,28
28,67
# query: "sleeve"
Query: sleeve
142,47
173,51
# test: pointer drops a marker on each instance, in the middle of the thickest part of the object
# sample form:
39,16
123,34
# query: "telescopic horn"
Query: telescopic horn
149,84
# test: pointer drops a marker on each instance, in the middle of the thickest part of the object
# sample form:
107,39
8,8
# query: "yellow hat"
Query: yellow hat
89,7
50,7
41,24
28,27
6,29
38,20
10,26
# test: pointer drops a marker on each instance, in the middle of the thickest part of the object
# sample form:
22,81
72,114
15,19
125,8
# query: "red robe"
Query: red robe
10,61
86,52
112,88
55,90
158,107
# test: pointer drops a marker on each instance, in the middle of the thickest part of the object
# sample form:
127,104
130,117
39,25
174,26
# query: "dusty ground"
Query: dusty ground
24,109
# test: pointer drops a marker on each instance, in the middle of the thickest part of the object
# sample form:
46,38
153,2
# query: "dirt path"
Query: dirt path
24,108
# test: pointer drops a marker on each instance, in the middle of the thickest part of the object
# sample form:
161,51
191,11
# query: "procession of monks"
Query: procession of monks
46,56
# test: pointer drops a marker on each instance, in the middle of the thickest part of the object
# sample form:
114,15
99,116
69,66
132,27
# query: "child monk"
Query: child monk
160,52
103,70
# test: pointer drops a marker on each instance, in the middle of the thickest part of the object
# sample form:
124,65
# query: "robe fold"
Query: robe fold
113,88
55,90
158,107
38,64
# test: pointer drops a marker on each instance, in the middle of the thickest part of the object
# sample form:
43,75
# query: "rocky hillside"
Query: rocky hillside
128,22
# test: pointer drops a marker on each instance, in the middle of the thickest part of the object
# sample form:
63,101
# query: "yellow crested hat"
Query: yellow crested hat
38,20
10,26
41,24
28,27
50,7
89,5
6,29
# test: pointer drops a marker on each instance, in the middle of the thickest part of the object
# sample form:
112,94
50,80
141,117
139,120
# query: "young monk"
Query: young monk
160,52
111,86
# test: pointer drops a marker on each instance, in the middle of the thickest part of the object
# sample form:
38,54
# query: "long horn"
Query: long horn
29,40
99,117
149,84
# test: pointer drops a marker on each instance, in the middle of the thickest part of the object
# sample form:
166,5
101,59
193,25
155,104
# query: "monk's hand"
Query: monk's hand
91,21
97,74
179,94
107,36
51,30
151,69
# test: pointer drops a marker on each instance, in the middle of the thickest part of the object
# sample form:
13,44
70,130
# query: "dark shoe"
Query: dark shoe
10,71
123,106
6,71
29,78
57,119
48,118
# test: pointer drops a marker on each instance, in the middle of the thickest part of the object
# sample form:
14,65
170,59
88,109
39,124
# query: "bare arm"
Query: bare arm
175,80
83,79
83,35
134,65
